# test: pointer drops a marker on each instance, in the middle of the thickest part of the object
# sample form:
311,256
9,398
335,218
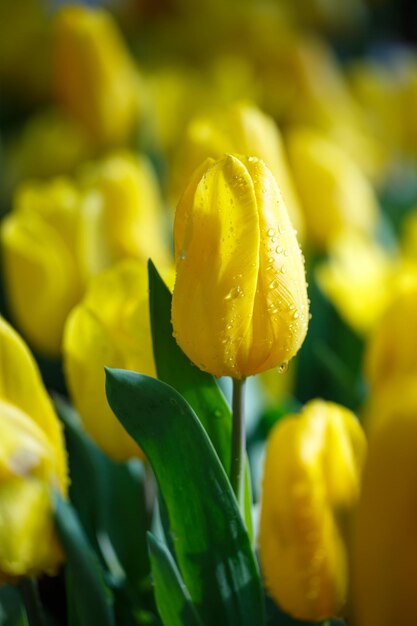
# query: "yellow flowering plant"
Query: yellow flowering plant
158,464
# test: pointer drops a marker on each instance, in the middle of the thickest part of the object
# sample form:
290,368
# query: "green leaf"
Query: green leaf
199,388
172,597
92,599
12,611
211,543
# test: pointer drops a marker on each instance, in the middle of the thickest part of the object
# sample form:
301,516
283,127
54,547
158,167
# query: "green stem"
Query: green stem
238,441
32,601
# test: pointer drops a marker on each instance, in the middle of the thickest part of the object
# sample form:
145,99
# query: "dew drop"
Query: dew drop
283,269
183,255
270,232
278,249
296,315
235,292
283,367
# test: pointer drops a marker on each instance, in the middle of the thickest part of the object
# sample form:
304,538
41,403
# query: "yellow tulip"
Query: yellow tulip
384,546
95,78
392,348
311,483
32,461
110,327
131,206
242,128
357,279
62,232
42,281
334,193
240,299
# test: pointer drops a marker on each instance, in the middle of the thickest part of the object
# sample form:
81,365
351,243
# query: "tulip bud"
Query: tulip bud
392,348
311,482
131,206
95,79
240,299
242,129
42,281
334,193
357,279
32,461
384,546
110,327
61,233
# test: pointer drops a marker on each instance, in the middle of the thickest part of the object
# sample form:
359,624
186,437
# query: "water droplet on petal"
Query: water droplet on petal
270,232
283,367
235,292
183,255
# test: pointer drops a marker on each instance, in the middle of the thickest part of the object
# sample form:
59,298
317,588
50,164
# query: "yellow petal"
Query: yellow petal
217,269
27,535
21,386
110,328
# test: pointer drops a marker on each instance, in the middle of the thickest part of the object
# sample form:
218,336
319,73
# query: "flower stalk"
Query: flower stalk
237,464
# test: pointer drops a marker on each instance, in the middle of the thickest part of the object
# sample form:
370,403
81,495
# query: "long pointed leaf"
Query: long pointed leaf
211,543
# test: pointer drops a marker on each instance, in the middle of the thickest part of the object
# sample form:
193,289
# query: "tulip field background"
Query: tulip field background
208,298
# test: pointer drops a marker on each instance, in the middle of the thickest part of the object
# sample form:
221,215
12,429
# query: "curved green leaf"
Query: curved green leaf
172,597
211,543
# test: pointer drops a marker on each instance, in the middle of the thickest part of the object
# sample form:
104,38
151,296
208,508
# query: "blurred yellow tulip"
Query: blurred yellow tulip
392,348
39,257
384,546
311,484
357,279
334,193
61,233
110,327
32,462
94,77
131,206
240,298
241,128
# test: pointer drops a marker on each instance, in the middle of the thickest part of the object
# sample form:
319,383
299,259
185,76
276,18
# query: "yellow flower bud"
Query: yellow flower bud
110,327
311,483
392,348
95,78
240,299
334,193
32,461
132,215
61,233
42,282
384,546
357,279
242,129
